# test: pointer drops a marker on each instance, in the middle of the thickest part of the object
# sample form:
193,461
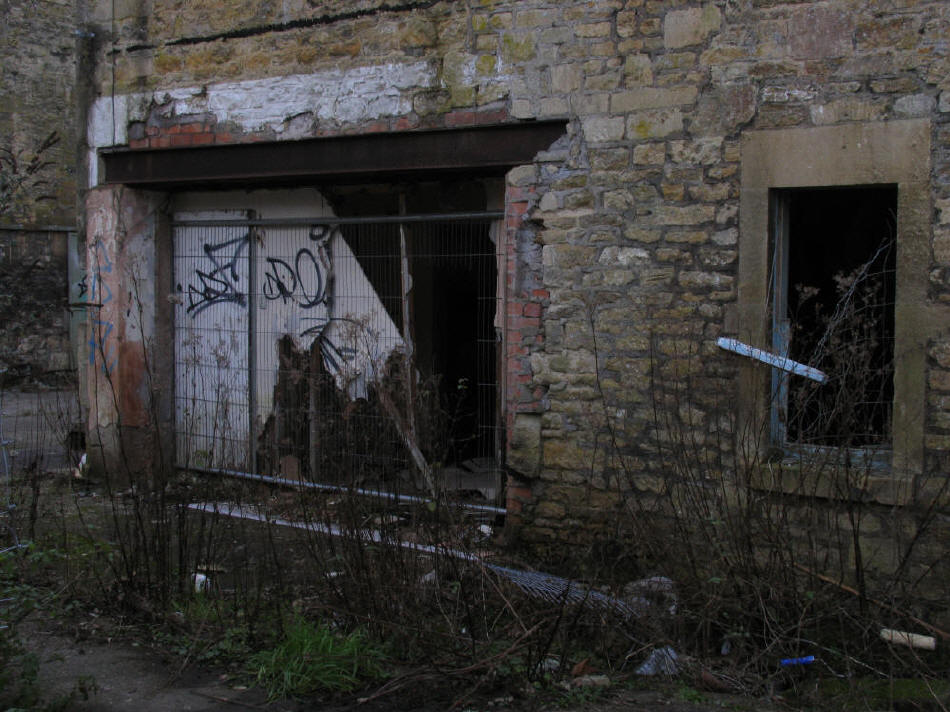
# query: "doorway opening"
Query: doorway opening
360,350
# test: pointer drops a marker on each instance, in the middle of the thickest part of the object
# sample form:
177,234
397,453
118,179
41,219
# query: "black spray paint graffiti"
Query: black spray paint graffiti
221,284
307,283
305,280
334,357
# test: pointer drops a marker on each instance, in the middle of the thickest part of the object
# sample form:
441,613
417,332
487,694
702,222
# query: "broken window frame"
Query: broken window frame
895,152
877,456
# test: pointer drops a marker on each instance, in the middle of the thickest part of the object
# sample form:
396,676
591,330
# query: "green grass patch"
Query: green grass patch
315,658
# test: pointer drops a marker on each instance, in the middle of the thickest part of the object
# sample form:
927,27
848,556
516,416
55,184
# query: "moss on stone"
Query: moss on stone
517,48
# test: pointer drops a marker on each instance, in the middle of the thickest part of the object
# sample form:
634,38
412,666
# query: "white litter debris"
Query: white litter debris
911,640
591,681
662,661
201,582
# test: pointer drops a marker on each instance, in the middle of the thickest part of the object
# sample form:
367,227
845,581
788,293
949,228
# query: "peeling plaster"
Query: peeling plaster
341,95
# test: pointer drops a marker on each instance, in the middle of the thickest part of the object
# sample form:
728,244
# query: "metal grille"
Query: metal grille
351,351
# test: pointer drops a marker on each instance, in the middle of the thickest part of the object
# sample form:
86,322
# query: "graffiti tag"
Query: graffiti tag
99,291
305,283
222,283
100,343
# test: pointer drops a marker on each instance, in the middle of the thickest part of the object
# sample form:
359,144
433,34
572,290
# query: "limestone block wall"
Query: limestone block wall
623,237
34,343
39,48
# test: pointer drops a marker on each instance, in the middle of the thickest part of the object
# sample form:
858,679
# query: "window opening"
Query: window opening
291,353
833,285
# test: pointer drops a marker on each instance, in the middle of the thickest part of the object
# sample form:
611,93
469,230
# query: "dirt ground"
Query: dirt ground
125,674
128,676
123,671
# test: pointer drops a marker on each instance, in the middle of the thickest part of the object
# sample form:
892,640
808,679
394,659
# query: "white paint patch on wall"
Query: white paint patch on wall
107,126
350,95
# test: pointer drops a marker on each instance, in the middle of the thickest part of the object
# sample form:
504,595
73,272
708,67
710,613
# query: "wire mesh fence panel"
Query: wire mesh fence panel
371,350
212,281
39,429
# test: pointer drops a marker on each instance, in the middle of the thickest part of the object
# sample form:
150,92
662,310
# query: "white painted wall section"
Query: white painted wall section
350,95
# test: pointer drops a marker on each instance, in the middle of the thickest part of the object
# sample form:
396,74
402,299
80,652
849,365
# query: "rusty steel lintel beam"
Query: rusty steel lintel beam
477,149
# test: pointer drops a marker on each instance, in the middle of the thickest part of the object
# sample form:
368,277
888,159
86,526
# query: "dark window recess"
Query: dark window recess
834,286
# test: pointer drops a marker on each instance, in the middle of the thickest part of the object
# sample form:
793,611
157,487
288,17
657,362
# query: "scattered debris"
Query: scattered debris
592,681
662,661
711,682
795,662
583,668
201,582
880,604
911,640
657,589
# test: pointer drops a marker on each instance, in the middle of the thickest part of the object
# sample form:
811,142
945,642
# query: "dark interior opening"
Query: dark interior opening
452,266
840,293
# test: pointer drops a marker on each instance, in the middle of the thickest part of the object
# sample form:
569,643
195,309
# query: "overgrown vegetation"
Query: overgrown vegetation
739,557
787,550
23,569
315,658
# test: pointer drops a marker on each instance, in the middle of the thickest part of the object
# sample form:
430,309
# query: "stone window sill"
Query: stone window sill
869,485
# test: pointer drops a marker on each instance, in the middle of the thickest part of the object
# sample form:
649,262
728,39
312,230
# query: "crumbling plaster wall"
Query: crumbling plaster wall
127,257
627,229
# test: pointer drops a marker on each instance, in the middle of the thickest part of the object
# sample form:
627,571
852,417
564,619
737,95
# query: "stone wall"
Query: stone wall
624,237
38,52
34,343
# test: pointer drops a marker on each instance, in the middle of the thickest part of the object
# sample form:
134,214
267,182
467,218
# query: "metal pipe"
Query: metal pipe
381,494
252,336
486,215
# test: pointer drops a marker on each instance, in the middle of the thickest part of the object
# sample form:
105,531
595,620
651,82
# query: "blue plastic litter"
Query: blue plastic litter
807,660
